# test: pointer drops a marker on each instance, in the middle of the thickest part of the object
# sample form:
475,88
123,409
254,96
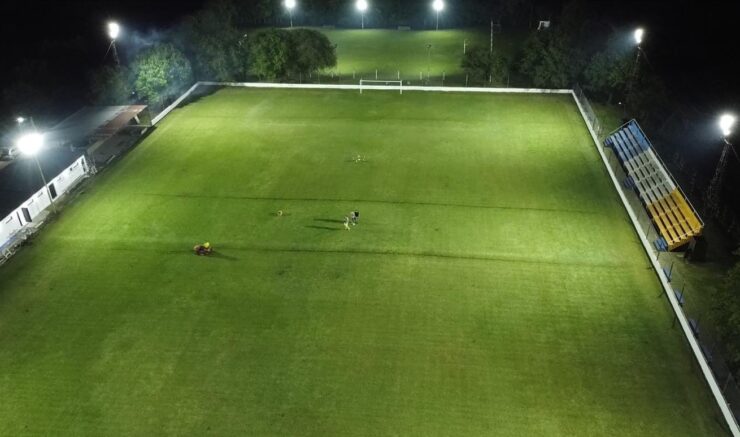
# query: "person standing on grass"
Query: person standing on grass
346,223
355,217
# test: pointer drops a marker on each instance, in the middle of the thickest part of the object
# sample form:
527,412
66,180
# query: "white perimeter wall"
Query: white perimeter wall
63,183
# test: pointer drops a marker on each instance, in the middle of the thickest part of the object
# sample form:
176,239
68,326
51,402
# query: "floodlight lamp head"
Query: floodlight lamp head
639,34
361,5
30,144
726,122
438,5
290,4
20,120
113,30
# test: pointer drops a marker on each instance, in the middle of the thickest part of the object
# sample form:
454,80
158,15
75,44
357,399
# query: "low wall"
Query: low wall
39,201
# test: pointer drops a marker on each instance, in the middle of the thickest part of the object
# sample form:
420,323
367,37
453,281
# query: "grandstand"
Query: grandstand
674,216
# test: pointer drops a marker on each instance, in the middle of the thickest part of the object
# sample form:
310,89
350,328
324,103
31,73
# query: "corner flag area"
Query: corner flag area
493,284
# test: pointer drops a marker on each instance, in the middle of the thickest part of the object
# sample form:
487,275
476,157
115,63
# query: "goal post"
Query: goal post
382,84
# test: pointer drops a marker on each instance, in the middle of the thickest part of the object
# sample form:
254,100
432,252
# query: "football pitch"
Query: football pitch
493,285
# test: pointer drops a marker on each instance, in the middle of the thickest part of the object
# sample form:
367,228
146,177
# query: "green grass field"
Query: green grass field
393,51
493,286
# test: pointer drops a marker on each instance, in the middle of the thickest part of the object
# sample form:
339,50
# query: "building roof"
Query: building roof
92,123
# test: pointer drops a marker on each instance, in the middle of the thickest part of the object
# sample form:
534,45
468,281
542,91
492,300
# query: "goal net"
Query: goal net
381,85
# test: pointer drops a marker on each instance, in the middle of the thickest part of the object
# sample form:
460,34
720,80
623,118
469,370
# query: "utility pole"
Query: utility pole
491,35
714,193
715,187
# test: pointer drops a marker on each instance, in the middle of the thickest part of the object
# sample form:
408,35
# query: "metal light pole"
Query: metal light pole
429,60
289,5
113,31
438,6
362,7
726,122
638,35
31,144
491,50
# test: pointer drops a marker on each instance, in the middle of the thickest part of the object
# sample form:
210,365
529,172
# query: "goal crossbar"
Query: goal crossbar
382,84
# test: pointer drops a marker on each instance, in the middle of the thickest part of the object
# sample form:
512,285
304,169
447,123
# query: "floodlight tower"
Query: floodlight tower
362,7
726,123
290,5
638,36
21,120
438,6
30,145
113,31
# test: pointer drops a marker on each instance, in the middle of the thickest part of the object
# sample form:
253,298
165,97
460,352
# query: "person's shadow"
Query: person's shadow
328,220
221,255
326,228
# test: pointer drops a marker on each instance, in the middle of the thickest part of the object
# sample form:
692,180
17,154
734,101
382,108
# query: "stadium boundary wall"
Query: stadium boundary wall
664,280
39,201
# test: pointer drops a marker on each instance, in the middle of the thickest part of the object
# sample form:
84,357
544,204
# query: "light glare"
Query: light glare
438,5
726,122
30,144
290,4
113,30
361,5
639,33
20,120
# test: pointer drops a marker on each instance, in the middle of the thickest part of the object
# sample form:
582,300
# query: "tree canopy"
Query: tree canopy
110,85
727,314
311,51
269,51
160,73
483,65
212,41
547,60
278,53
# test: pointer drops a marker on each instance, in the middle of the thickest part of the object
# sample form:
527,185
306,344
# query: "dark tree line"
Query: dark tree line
209,45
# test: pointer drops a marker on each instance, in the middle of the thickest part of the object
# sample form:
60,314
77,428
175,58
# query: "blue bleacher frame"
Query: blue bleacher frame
636,130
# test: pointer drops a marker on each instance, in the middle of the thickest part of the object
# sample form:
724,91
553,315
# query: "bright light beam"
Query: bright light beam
20,120
290,5
30,144
726,122
362,7
438,5
113,30
639,34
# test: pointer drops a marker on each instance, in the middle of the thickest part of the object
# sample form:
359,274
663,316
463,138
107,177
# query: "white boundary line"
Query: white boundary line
390,88
706,371
165,112
708,375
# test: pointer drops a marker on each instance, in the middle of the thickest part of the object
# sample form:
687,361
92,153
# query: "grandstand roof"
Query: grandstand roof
92,123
